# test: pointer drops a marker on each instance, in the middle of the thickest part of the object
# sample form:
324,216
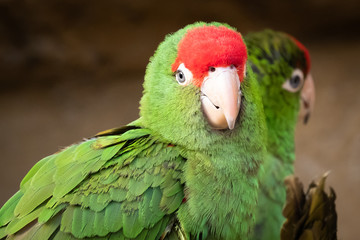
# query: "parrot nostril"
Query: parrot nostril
212,69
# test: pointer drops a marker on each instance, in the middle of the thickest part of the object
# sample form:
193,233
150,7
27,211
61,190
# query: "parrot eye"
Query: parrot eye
183,75
295,82
180,76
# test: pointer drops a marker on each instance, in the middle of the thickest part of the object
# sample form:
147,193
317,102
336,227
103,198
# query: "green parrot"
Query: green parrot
282,67
191,159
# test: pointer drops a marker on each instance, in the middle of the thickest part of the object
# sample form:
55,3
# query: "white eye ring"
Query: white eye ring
295,82
183,75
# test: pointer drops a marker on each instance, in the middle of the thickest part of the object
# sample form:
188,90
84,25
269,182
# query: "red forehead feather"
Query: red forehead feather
210,46
305,51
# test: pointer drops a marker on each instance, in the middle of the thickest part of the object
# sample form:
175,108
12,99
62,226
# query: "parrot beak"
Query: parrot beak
307,99
221,97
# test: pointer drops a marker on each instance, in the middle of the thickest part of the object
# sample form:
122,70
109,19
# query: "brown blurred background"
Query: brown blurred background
69,69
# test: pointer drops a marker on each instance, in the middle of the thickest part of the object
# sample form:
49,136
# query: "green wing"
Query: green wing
122,184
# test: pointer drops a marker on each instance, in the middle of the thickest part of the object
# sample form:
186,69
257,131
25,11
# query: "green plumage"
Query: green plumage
167,167
221,167
273,57
104,200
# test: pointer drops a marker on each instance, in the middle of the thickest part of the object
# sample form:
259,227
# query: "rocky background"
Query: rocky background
69,69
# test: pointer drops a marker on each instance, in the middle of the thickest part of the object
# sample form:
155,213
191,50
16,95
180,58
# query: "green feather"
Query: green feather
117,236
99,229
78,222
96,204
87,224
63,236
18,223
70,175
74,199
110,152
39,190
67,219
149,215
7,211
105,142
154,232
43,231
174,189
157,177
131,224
172,203
66,155
48,213
142,235
113,217
135,133
2,232
116,131
117,194
35,169
137,188
155,202
103,199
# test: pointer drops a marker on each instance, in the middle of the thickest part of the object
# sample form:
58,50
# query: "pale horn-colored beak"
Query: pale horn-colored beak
307,99
221,97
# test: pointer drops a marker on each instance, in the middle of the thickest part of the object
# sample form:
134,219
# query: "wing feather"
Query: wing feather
109,187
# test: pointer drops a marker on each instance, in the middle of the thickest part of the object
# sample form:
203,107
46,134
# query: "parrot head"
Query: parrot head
282,65
195,84
213,59
308,89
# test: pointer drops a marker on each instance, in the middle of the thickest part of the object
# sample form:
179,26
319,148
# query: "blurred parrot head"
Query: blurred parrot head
282,65
193,88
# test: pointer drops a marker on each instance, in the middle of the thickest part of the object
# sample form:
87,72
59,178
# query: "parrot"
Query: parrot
282,68
191,159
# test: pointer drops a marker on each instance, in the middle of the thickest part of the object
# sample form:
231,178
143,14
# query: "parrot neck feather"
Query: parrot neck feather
221,183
